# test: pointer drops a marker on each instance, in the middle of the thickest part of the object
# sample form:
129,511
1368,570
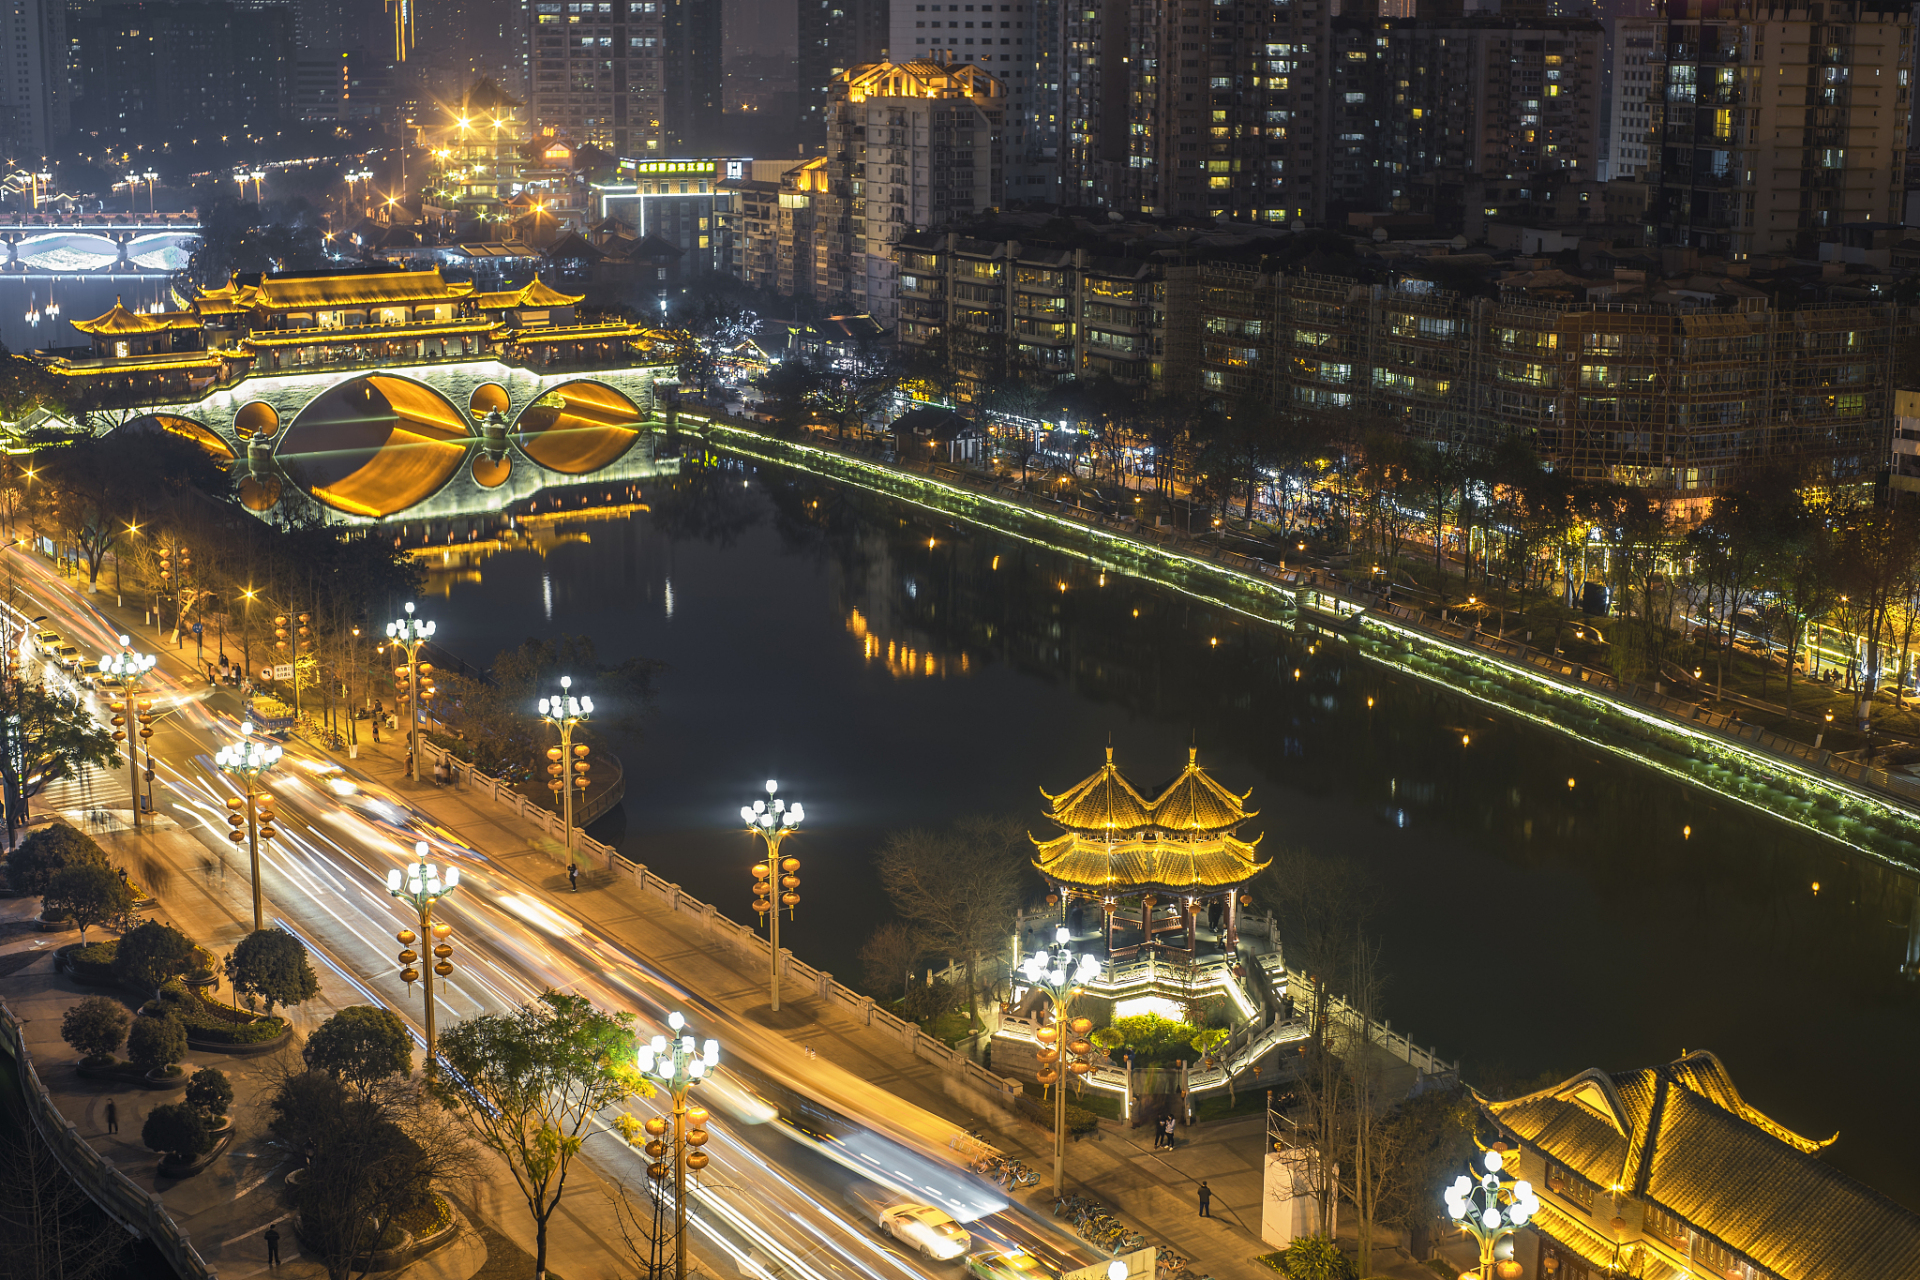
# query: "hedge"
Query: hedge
210,1020
93,962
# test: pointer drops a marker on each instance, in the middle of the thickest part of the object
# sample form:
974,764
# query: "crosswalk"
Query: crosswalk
92,790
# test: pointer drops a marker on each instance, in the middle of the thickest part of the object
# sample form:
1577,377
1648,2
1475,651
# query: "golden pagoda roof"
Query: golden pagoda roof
1195,802
536,293
1132,865
110,368
579,332
120,322
1104,802
384,333
350,289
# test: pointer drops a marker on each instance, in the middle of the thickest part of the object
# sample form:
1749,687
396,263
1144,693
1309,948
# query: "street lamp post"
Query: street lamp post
773,820
421,886
127,667
410,633
247,760
1060,973
678,1065
1491,1204
567,775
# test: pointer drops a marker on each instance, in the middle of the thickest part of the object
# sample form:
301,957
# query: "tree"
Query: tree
149,954
102,486
154,1044
177,1129
960,888
888,957
272,964
49,1229
52,736
209,1092
529,1084
97,1026
89,893
47,852
361,1046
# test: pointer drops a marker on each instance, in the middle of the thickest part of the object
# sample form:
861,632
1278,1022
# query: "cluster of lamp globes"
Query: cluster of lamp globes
678,1063
1059,968
247,756
772,813
773,818
1476,1204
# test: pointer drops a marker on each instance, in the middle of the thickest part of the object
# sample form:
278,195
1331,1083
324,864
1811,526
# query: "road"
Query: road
769,1204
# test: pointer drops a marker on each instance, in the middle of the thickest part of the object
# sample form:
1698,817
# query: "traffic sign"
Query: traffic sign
283,671
198,629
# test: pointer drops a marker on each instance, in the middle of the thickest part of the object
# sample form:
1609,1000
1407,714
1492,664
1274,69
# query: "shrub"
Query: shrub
1154,1040
1313,1258
93,962
210,1091
88,893
150,953
209,1019
42,855
924,1002
178,1130
272,964
361,1045
1081,1120
97,1027
156,1043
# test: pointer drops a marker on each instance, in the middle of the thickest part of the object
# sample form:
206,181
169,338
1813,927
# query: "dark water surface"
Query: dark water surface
892,670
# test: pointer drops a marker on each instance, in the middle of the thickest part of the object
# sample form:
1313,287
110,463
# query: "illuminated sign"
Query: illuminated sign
557,153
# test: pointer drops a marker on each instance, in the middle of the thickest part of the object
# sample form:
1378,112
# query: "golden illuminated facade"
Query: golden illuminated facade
330,319
1155,866
477,150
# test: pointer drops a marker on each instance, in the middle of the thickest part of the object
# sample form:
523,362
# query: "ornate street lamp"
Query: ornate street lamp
564,711
410,633
421,886
1061,973
127,667
1491,1205
247,760
678,1064
773,820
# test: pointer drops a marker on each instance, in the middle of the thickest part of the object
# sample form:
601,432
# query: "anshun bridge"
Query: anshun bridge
381,392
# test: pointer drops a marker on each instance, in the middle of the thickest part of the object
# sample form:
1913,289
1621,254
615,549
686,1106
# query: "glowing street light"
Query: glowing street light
1491,1204
421,886
1061,973
776,882
410,633
247,760
569,774
677,1064
127,667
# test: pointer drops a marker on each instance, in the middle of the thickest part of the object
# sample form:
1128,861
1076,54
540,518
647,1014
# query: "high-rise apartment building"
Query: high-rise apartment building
691,70
1631,90
159,70
1016,42
34,103
1777,126
835,36
596,72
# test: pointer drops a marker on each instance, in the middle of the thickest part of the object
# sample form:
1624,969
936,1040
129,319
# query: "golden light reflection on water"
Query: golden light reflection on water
902,661
451,564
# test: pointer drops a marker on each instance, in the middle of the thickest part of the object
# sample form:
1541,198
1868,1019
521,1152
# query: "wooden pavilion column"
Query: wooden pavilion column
1232,938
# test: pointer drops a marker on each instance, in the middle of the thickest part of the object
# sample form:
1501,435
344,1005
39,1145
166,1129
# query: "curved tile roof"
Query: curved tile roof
1135,865
1195,802
120,322
1105,802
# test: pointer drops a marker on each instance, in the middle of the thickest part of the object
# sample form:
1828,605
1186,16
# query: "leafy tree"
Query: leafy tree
272,964
529,1085
361,1046
177,1129
150,953
97,1026
54,736
156,1043
960,888
47,852
88,893
210,1092
100,485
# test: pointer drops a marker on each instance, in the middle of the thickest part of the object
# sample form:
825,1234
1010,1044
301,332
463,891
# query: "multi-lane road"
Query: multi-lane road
770,1204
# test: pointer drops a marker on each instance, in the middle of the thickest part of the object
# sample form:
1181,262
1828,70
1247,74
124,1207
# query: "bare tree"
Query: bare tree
49,1229
961,888
888,957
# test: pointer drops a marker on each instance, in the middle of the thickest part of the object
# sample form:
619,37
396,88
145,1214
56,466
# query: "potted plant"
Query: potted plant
156,1045
209,1090
97,1027
178,1131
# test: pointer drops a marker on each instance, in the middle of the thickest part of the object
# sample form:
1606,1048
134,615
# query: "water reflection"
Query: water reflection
1544,907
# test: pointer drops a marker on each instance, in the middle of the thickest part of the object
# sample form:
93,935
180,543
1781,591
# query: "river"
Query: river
1541,907
26,324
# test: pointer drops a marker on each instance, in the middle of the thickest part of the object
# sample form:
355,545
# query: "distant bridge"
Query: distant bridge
422,440
131,249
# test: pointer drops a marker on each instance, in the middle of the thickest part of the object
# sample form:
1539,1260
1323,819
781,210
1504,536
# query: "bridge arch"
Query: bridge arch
578,427
186,428
375,445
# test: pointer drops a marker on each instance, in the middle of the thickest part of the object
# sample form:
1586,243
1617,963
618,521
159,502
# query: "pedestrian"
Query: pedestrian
1206,1200
573,876
376,730
311,1147
113,1117
273,1246
408,768
1172,1124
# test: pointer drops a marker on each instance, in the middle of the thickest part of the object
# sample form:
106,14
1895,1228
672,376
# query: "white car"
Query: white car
925,1228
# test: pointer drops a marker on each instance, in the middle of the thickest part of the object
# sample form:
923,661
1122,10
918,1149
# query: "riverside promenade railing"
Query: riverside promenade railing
1321,599
141,1212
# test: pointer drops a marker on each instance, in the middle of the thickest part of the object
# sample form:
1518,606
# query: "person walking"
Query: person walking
113,1117
273,1247
573,876
1171,1123
1206,1200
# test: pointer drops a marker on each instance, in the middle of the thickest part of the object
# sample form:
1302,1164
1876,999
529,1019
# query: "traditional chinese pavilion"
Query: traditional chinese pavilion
1156,867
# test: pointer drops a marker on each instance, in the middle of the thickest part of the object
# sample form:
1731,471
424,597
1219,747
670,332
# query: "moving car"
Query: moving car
1006,1264
930,1231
